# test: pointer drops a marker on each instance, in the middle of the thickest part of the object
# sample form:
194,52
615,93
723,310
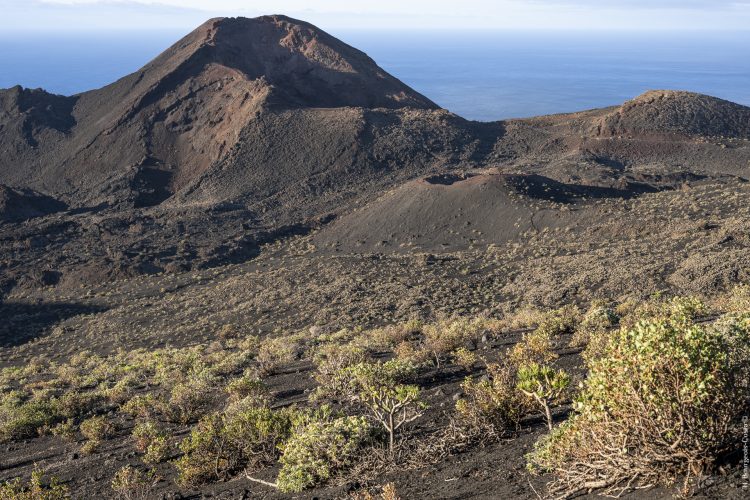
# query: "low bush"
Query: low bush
23,420
143,406
320,449
132,484
598,320
276,352
248,386
445,336
331,358
65,430
491,405
658,405
191,400
243,437
535,347
95,430
561,321
34,489
152,441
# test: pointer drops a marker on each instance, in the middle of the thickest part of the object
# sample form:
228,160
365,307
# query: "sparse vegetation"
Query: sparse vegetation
34,489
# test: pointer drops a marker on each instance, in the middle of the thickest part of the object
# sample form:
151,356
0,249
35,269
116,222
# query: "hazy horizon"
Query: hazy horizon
478,75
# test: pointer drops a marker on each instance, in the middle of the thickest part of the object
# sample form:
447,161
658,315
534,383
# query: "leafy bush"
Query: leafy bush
192,399
157,451
95,430
65,430
600,318
390,336
131,484
35,489
142,406
444,337
736,300
561,321
318,450
534,347
242,437
248,386
492,405
276,352
377,387
144,434
665,308
150,440
331,358
23,420
465,358
346,384
658,405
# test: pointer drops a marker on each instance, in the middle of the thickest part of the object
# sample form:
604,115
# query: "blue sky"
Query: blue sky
79,15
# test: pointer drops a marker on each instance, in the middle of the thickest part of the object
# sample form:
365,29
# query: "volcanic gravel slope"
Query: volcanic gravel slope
263,175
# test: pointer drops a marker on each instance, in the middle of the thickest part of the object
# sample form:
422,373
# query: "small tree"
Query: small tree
379,388
543,384
393,406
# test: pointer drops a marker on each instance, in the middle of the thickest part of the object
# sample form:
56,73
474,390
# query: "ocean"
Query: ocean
478,75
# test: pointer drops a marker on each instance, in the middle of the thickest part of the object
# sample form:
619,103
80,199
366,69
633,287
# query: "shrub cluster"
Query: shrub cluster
659,404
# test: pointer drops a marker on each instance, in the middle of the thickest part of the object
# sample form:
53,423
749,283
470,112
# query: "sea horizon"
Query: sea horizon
479,75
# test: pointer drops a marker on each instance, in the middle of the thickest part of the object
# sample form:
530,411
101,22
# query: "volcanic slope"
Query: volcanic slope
148,135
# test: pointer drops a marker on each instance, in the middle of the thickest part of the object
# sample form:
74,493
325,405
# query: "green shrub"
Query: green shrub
35,489
736,300
346,383
248,386
222,444
150,440
23,420
444,337
492,406
658,405
157,451
143,435
465,358
682,309
275,353
192,399
65,430
319,450
78,404
331,358
95,430
598,320
131,484
535,347
561,321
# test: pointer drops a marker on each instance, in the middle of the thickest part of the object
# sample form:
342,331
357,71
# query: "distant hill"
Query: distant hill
668,111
